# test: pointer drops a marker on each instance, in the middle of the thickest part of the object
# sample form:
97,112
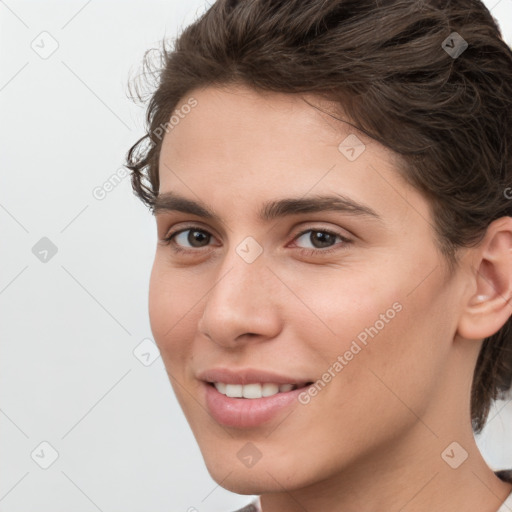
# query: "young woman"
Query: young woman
332,283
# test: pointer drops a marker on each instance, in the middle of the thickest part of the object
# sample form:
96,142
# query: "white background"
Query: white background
68,375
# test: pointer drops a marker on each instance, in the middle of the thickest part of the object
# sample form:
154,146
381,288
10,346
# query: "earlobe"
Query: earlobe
489,305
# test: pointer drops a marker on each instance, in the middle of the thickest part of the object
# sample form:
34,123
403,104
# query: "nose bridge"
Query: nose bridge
240,301
242,271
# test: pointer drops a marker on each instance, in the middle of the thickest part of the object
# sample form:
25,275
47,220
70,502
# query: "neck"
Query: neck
407,476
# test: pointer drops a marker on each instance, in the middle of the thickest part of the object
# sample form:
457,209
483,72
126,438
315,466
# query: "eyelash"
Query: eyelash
168,240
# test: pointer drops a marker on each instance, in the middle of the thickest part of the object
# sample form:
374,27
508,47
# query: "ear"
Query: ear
489,303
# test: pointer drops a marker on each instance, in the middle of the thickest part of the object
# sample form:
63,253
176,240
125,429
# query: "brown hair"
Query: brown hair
390,65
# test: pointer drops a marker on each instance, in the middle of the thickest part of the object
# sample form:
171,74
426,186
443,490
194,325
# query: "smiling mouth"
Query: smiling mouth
255,390
250,405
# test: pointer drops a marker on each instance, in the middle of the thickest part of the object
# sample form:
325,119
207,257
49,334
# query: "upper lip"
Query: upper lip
247,376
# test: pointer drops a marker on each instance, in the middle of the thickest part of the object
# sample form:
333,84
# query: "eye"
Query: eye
186,240
194,237
321,240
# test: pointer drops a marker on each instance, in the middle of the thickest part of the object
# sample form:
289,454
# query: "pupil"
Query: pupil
196,236
325,238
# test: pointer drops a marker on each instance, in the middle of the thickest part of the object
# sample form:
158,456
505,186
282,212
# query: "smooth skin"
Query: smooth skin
372,439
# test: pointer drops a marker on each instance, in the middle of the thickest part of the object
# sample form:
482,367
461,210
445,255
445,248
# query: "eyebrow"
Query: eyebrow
171,201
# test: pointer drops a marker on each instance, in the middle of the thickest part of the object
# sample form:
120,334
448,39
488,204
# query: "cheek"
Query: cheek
357,324
400,353
340,306
170,313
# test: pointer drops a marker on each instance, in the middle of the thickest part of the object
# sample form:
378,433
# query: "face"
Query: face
309,261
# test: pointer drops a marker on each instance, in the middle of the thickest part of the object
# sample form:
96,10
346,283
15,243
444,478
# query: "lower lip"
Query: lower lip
247,412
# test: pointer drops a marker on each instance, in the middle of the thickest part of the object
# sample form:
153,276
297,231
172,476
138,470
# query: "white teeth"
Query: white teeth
221,387
234,390
269,389
252,390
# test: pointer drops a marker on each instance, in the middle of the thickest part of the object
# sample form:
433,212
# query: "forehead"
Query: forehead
239,125
238,142
230,116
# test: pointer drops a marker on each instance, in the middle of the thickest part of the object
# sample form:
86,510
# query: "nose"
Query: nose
243,303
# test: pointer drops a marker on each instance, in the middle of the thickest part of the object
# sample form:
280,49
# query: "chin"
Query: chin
245,486
246,481
264,477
